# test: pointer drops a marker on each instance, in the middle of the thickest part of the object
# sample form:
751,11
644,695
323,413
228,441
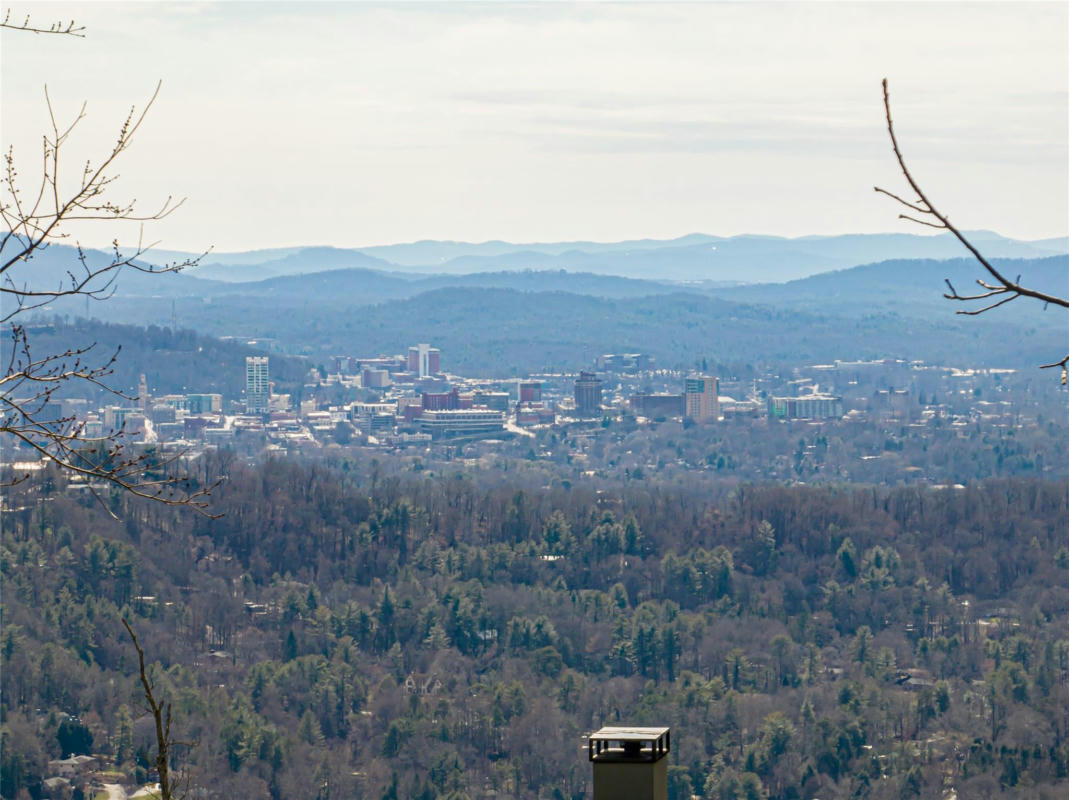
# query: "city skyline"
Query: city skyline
358,124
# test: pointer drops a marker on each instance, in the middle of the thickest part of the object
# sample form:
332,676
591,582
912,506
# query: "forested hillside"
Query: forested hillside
504,332
388,628
172,361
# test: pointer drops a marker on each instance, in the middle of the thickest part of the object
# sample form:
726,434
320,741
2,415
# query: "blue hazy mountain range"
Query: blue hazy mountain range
351,279
527,319
696,257
334,285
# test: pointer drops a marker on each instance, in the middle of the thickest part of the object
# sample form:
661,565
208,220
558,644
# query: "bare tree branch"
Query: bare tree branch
71,28
29,223
1064,364
27,390
1003,288
30,229
924,206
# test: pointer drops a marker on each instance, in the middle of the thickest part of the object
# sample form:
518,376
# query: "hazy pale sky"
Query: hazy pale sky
354,124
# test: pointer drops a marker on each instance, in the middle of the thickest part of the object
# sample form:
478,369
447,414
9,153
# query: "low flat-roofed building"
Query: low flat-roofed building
161,412
534,414
496,401
375,378
168,431
811,406
624,362
217,435
116,417
462,422
657,405
528,391
379,423
203,403
359,409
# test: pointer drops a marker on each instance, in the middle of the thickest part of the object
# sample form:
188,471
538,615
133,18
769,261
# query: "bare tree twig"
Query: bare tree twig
1064,364
1003,288
71,28
925,206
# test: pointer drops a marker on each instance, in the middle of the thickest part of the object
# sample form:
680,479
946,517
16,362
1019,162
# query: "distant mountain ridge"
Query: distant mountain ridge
298,262
502,331
911,287
695,257
356,286
529,319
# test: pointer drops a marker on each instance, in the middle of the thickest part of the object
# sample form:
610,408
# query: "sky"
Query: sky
354,124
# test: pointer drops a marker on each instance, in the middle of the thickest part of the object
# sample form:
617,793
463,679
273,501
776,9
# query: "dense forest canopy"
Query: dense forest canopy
393,628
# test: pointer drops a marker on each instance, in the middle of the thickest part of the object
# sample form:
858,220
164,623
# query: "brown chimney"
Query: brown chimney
630,763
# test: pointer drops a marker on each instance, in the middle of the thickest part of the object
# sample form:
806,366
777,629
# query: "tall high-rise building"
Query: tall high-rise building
701,400
257,385
588,394
424,360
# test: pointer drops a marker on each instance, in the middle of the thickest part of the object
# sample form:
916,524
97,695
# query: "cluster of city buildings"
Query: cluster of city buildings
400,399
415,398
407,399
150,419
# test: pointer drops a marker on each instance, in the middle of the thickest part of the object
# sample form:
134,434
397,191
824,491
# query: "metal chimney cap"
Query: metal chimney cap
629,744
629,734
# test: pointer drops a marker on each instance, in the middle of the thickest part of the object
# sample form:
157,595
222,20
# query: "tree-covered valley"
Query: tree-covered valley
397,628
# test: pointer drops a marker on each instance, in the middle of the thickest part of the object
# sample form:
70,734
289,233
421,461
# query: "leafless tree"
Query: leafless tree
35,214
996,289
161,715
